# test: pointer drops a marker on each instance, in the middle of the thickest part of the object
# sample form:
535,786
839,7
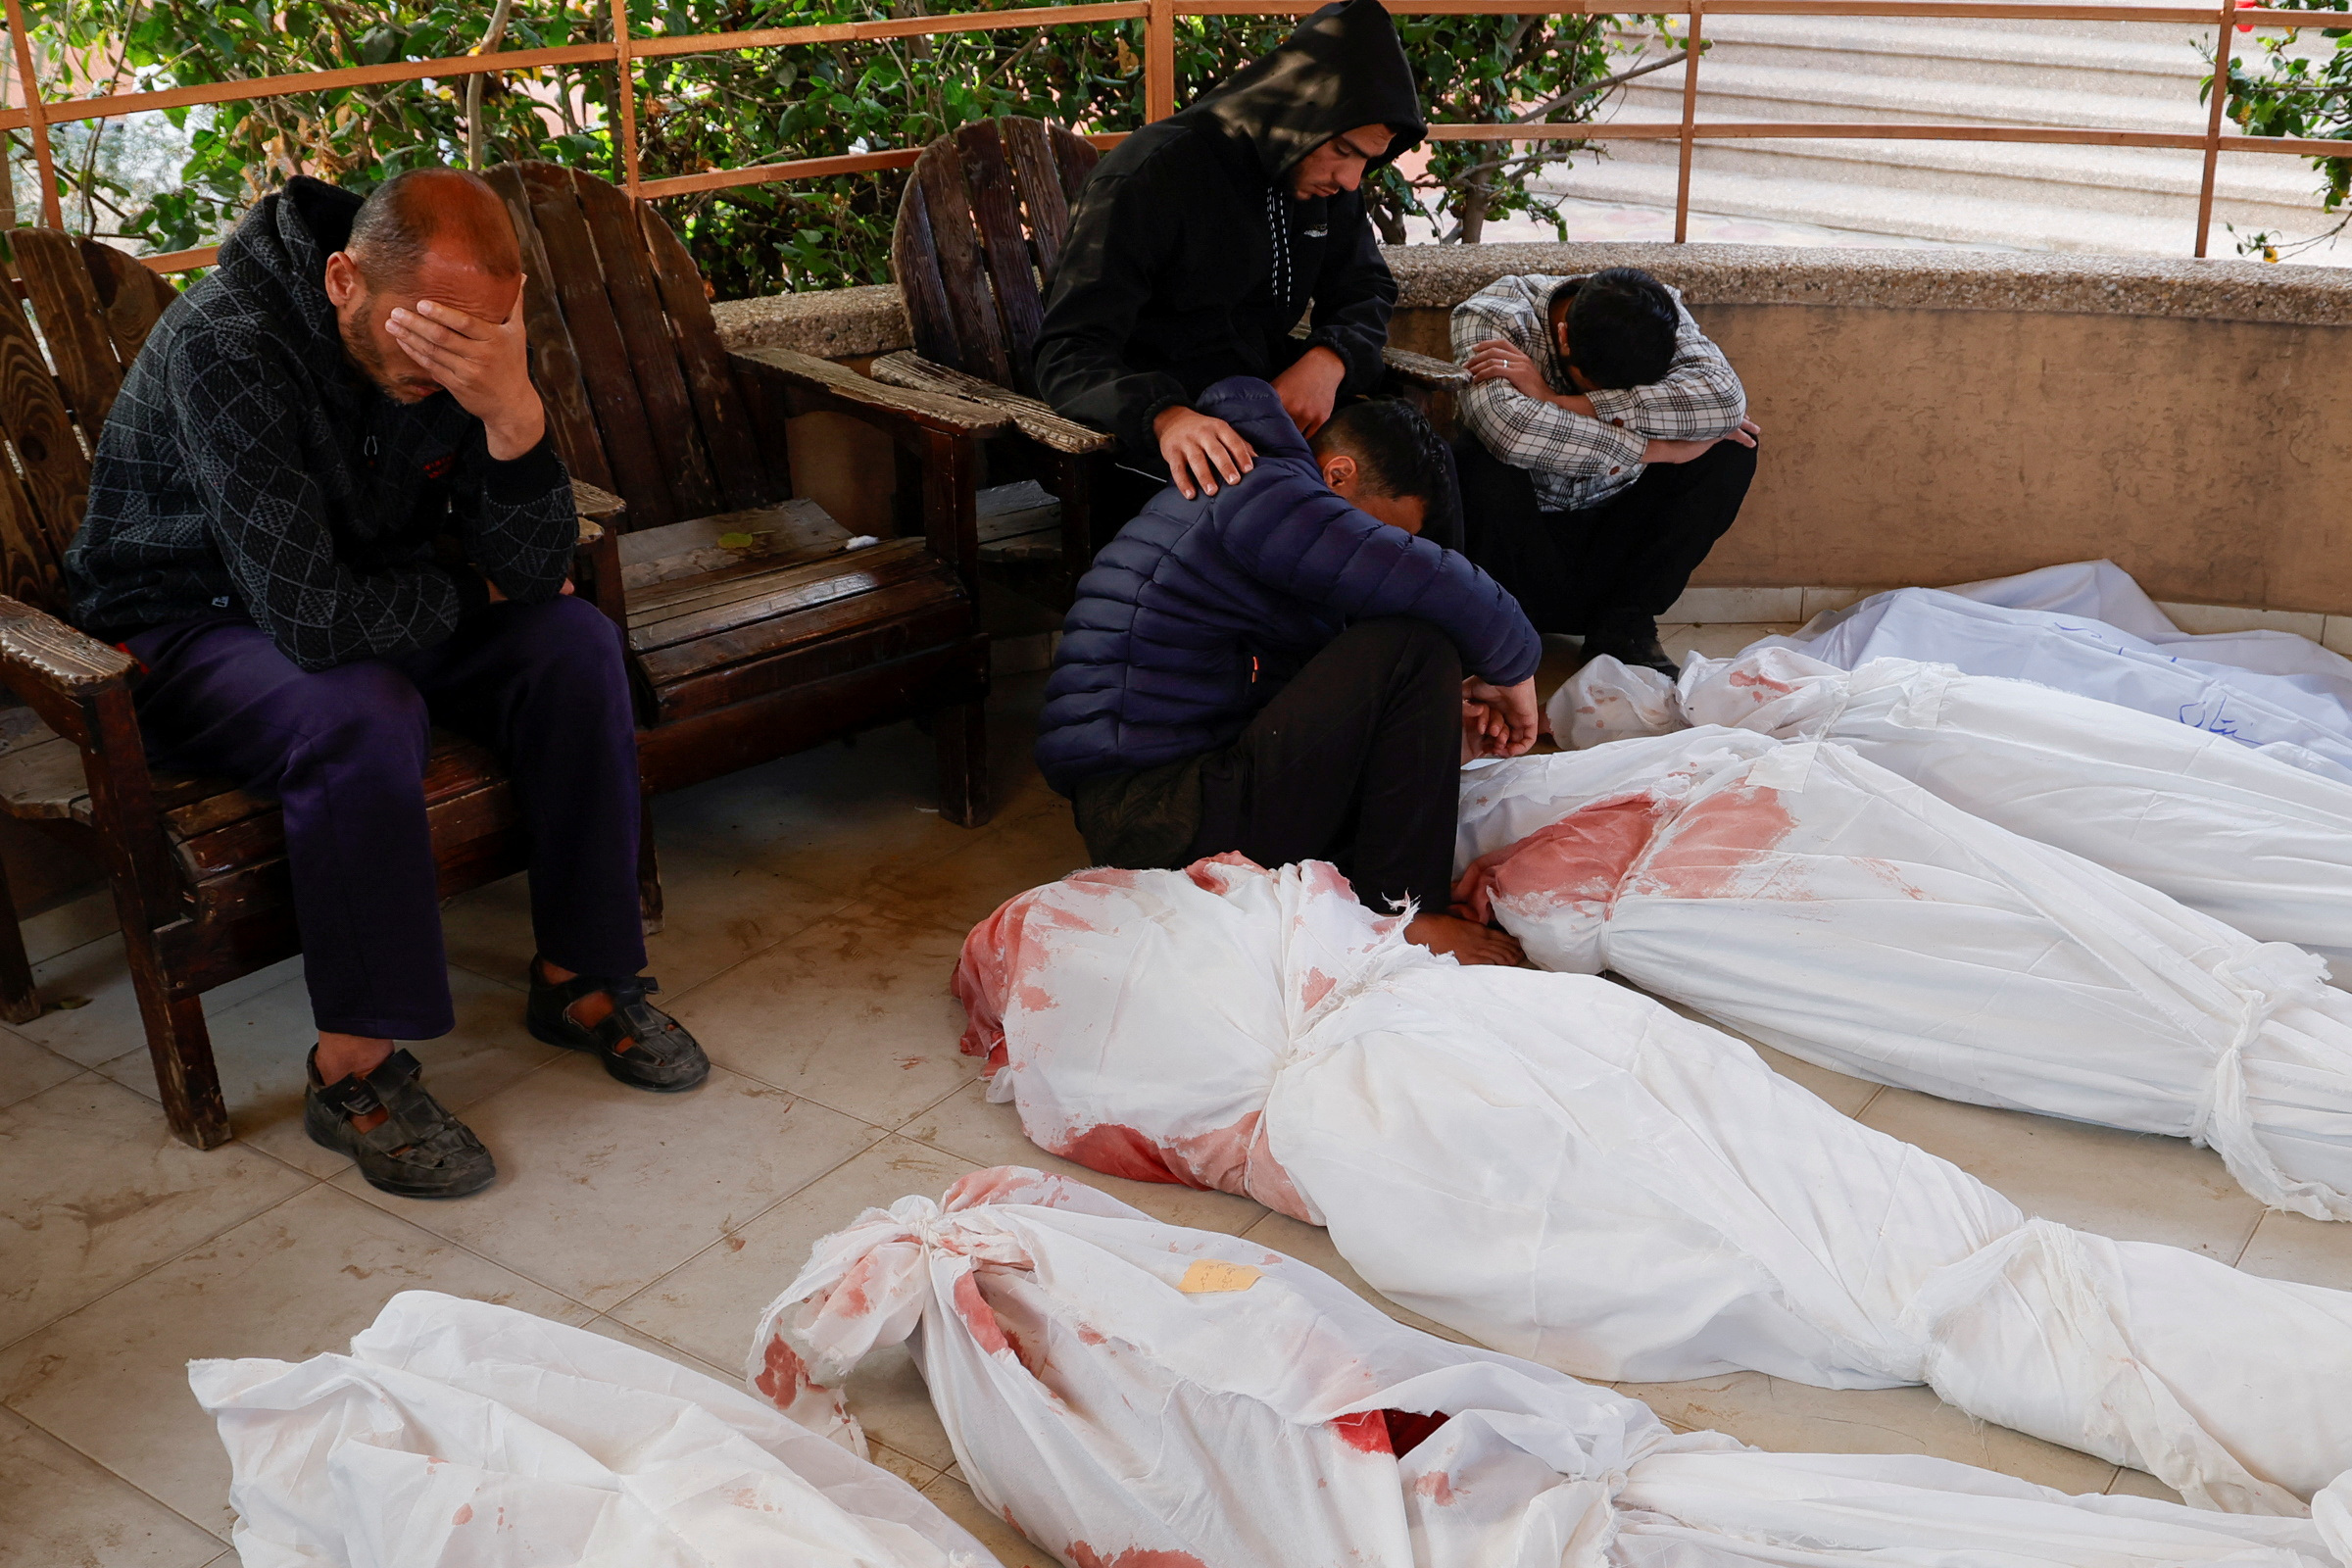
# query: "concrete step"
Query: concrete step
2150,61
1877,210
1732,89
2264,190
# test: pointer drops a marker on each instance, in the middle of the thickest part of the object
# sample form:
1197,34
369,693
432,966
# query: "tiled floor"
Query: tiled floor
817,906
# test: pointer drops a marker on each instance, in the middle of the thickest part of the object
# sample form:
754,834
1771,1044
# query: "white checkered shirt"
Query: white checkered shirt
1578,461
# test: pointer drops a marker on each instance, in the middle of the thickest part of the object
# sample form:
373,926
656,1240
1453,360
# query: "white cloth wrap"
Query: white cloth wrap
1115,1417
1569,1171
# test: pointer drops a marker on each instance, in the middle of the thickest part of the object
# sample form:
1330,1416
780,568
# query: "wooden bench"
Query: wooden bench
197,867
757,625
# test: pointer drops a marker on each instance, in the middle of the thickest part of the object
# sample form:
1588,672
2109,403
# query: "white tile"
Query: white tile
1795,1418
1710,606
94,1192
1819,601
602,1189
968,1125
69,926
2336,635
112,1379
716,909
2136,1187
261,1045
709,1306
854,1012
2205,619
1025,850
26,1069
105,1023
2309,1251
58,1510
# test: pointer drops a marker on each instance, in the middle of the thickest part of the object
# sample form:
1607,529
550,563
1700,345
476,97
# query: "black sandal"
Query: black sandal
641,1044
417,1151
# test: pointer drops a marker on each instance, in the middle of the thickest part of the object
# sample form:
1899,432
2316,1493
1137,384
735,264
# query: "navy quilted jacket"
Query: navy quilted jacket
1194,617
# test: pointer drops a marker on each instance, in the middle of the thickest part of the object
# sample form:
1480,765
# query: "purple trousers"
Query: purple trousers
344,750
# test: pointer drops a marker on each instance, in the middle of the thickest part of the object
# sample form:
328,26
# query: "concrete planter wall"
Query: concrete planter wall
1929,417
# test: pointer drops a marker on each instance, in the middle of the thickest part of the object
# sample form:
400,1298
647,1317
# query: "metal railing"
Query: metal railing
1159,83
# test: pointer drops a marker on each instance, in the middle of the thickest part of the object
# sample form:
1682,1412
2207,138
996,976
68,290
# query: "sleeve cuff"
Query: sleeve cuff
526,479
1618,407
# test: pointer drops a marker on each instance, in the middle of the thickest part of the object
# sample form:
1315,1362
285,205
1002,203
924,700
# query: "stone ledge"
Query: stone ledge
835,324
1444,276
856,323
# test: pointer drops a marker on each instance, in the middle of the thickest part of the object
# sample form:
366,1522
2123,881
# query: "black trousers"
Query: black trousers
1635,551
1357,762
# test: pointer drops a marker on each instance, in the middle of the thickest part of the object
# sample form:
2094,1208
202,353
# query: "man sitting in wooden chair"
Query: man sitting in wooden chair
347,387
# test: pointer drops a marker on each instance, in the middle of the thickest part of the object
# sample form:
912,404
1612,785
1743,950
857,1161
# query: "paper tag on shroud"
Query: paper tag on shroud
1209,1276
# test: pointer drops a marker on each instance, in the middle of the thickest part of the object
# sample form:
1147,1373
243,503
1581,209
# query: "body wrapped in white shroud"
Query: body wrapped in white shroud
1136,1395
1570,1172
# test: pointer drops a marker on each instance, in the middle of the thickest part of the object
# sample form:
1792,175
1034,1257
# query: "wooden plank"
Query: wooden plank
555,362
862,645
972,315
1011,268
741,734
41,782
456,768
131,299
57,476
1037,181
1037,420
1075,156
777,633
664,565
809,384
914,262
745,477
29,563
653,352
72,322
794,588
635,471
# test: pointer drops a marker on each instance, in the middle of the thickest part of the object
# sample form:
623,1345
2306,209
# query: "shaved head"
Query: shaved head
448,214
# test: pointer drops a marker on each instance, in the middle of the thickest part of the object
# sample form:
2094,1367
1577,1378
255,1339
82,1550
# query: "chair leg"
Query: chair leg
18,1002
649,872
960,733
181,1046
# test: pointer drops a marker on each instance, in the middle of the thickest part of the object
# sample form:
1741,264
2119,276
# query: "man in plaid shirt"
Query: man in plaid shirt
1607,448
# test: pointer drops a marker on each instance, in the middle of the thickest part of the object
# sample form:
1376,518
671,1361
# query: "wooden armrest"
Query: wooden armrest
1037,420
811,383
45,654
600,511
1423,370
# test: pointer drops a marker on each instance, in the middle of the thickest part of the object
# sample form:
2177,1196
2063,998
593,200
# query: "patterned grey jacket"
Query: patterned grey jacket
1577,462
249,469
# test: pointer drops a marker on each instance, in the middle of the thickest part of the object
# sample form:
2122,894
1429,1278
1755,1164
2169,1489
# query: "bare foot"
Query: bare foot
1466,940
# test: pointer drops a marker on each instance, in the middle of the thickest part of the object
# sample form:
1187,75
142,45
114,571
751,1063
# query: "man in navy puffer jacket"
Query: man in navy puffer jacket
1276,667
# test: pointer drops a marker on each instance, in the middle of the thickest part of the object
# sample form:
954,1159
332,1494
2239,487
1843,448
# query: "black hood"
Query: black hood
1343,67
280,248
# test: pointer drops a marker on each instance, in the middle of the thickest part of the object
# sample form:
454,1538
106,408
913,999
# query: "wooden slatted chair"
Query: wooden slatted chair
980,230
754,628
979,234
197,868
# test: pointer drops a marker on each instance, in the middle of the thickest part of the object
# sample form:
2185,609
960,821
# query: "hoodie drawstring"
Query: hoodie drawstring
1278,220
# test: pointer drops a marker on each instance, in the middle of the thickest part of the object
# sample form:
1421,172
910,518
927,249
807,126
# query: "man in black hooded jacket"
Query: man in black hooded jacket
1200,240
